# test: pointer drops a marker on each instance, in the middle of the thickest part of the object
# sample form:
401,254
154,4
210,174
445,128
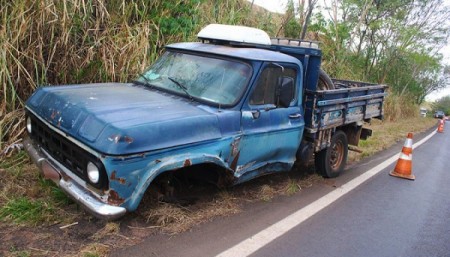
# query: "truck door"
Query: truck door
271,133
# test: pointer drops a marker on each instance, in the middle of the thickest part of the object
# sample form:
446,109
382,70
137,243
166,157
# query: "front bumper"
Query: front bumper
81,195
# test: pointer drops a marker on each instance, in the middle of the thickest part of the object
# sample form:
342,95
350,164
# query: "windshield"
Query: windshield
214,80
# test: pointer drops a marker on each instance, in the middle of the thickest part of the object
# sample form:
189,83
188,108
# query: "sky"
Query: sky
280,6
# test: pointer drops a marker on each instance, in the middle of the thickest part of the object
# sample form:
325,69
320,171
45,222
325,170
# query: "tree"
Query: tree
297,19
393,42
442,104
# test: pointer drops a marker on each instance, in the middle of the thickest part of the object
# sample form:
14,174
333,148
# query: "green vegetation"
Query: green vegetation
24,210
15,252
442,104
26,197
84,41
392,42
292,187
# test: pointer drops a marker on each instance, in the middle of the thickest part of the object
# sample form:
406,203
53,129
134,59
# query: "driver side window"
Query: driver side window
266,86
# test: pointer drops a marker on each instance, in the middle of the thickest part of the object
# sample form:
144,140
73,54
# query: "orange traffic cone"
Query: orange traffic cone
404,163
441,126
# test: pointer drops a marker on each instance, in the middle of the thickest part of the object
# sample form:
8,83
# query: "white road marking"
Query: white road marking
264,237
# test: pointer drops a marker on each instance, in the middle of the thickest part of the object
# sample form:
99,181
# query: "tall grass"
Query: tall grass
83,41
399,107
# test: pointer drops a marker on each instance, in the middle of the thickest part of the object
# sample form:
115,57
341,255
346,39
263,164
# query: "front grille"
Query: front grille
60,148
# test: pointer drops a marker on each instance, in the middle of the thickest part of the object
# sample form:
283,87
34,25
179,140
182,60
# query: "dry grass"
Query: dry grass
174,218
267,193
110,228
397,108
388,133
94,250
84,41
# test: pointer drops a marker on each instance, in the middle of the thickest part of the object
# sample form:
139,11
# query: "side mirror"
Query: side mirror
286,91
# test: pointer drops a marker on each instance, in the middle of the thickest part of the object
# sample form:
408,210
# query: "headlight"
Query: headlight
29,125
93,173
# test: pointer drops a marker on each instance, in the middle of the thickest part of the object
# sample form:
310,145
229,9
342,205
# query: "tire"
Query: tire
325,82
330,162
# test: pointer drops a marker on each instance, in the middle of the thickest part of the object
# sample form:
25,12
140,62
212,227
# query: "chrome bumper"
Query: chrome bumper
77,192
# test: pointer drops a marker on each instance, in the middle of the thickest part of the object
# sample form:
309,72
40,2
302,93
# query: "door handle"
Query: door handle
255,114
295,116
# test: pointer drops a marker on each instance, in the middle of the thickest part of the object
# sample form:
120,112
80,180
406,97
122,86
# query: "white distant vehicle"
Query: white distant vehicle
423,112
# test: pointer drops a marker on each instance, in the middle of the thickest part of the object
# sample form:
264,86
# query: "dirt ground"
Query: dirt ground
82,235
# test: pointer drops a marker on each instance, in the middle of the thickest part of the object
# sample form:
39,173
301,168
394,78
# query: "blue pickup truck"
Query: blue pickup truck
237,105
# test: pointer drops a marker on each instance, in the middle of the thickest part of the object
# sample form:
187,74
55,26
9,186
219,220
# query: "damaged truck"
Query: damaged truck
237,103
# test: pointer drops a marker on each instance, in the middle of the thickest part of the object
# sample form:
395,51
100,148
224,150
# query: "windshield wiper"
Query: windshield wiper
183,87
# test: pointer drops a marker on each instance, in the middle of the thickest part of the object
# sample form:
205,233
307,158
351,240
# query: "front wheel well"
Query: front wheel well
173,182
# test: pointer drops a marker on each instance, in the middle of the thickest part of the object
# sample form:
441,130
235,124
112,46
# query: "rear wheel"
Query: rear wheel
325,82
330,162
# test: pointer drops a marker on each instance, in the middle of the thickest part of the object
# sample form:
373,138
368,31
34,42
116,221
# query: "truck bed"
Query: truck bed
350,102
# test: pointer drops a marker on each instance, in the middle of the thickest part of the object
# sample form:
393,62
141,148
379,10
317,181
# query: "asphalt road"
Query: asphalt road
384,216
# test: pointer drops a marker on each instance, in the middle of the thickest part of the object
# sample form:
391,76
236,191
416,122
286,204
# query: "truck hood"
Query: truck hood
120,119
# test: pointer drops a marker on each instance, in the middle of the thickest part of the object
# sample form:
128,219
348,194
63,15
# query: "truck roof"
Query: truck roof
237,52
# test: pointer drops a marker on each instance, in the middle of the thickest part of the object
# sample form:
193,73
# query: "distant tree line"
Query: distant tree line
394,42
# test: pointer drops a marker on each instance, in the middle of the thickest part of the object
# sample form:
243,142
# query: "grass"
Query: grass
85,41
26,198
110,228
24,210
292,187
388,133
94,250
174,218
14,252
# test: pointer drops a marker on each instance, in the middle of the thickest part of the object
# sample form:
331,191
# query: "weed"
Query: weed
94,250
292,187
60,197
14,163
266,193
24,210
111,228
18,253
51,189
91,255
309,180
